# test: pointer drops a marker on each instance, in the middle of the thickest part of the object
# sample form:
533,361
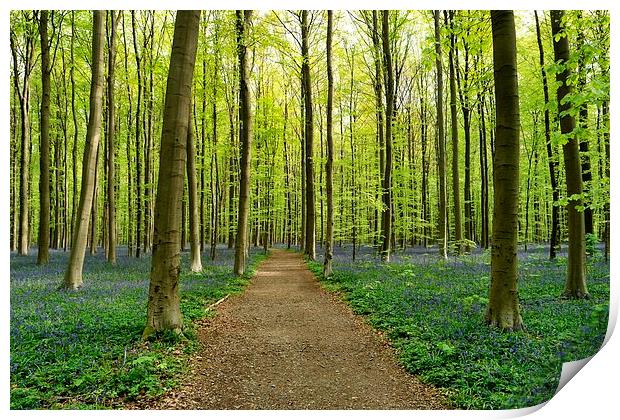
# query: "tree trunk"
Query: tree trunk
386,195
503,307
243,21
231,193
586,175
111,230
14,169
287,182
44,146
137,139
74,158
128,149
215,187
484,175
441,156
148,133
24,109
555,213
73,275
378,88
454,132
95,205
310,233
203,140
163,311
195,264
575,286
329,239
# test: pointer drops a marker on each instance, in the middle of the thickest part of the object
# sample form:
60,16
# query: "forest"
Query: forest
227,209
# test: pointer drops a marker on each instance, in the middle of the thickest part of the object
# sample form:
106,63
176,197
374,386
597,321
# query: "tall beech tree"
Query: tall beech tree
25,54
441,148
195,263
329,163
138,139
575,286
454,133
586,174
310,225
163,311
503,308
551,158
73,275
111,133
386,190
44,145
243,21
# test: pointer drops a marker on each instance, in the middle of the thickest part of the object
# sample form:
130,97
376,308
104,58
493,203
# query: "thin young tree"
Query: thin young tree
503,308
163,310
441,146
244,18
575,286
73,275
329,164
44,145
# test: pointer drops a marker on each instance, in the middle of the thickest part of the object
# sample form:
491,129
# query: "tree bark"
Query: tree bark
74,158
23,92
95,205
243,21
378,88
484,175
575,286
137,139
310,233
215,187
44,146
555,214
454,132
195,264
586,174
73,275
441,157
163,311
386,194
111,230
329,239
128,149
14,169
503,308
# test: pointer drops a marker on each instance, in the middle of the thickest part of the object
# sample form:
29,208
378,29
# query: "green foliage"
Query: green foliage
591,244
433,314
456,247
83,349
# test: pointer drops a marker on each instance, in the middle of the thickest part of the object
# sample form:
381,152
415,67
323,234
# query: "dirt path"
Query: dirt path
287,344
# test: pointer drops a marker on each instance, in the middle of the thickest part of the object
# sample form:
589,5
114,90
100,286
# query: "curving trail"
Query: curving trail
285,343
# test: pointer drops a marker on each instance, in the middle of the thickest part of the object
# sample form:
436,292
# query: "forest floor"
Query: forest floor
286,343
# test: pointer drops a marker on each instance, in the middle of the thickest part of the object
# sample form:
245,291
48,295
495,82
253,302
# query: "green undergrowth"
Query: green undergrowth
433,314
83,350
